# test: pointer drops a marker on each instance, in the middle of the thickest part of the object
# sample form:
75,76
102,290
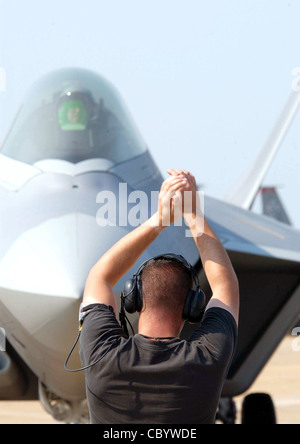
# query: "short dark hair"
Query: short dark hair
165,283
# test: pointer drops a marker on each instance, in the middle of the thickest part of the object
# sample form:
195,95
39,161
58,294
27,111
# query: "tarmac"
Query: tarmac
279,378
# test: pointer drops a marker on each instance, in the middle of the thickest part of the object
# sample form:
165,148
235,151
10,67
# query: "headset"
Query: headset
132,294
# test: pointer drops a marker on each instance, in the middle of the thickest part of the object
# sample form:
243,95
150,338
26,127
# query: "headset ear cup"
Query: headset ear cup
132,294
139,295
187,305
197,307
194,306
129,295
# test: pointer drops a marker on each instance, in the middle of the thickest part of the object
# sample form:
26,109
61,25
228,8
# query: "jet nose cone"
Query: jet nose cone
55,257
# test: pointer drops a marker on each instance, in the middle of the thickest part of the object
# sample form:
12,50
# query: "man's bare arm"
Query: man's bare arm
219,271
216,263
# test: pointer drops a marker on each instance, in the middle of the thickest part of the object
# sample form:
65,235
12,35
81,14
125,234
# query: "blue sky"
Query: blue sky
204,81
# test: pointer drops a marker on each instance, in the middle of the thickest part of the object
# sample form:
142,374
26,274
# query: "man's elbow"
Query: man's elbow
234,282
97,274
227,279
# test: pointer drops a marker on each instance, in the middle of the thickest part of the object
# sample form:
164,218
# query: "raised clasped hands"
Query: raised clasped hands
178,197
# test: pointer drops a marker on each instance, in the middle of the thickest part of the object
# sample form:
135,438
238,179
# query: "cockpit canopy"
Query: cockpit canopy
73,115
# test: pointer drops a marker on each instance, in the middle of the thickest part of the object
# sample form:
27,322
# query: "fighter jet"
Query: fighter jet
75,177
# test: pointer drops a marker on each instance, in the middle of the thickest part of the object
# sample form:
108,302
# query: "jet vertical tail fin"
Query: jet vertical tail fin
272,205
245,191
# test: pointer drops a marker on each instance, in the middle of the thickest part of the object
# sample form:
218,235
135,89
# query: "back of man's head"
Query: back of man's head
165,285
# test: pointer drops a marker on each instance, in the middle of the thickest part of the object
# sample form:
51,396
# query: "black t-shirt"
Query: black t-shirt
141,381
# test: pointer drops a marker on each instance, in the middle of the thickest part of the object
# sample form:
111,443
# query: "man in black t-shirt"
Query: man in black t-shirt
154,377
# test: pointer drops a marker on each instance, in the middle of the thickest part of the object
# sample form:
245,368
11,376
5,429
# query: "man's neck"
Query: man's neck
158,328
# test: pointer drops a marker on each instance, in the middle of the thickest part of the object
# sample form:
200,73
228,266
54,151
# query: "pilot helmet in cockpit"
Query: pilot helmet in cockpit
75,108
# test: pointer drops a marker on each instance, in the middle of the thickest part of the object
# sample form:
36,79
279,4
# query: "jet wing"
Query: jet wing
246,232
266,257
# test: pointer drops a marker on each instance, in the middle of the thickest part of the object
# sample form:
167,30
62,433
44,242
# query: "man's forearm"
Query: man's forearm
215,261
118,260
218,268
